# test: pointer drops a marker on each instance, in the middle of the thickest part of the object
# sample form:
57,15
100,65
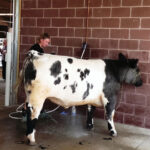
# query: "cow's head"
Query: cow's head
131,73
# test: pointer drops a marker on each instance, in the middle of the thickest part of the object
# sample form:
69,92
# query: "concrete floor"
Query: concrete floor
2,92
66,132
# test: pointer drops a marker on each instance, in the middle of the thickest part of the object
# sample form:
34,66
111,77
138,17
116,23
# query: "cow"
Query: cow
69,81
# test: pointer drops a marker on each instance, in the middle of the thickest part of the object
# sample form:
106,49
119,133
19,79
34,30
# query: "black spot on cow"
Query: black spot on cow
109,126
30,73
70,60
65,87
57,81
86,93
91,86
66,70
66,76
83,74
86,72
55,68
78,70
73,87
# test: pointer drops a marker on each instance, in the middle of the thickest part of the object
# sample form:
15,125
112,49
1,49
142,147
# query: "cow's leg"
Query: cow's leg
33,112
110,111
90,114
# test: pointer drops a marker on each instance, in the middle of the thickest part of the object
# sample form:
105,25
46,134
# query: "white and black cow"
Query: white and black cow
69,81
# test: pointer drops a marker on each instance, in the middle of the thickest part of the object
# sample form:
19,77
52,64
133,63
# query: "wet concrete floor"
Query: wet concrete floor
65,132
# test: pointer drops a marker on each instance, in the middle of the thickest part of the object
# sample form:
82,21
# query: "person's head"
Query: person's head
44,40
5,42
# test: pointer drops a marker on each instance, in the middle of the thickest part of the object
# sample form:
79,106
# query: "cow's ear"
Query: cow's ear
122,57
133,62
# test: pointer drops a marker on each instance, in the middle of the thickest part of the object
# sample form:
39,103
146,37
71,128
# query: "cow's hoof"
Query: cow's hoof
89,126
112,133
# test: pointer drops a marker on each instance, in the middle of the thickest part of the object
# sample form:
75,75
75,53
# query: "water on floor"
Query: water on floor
62,131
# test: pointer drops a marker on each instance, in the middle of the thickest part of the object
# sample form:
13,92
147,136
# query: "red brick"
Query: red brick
139,111
110,44
67,12
125,108
140,34
120,12
76,42
110,23
135,99
130,22
93,43
29,4
44,3
141,55
78,53
29,22
147,122
93,23
140,12
144,45
131,2
99,113
130,119
32,13
113,54
66,51
76,3
144,77
51,31
31,31
144,89
128,44
28,40
94,3
119,33
50,12
148,78
99,53
144,67
82,32
59,3
51,49
43,22
145,23
101,12
59,22
146,2
147,112
148,101
58,41
100,33
107,3
83,12
75,23
118,117
66,32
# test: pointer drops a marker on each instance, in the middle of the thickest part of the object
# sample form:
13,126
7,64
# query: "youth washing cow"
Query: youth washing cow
69,81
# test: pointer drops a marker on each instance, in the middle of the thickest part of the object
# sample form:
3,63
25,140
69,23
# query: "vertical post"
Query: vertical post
8,68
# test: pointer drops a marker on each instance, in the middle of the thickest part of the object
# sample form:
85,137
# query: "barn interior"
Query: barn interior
109,27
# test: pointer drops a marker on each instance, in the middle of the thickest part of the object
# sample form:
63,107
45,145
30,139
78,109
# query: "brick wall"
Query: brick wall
114,26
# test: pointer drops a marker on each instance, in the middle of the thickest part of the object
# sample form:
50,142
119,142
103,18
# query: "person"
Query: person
42,43
3,52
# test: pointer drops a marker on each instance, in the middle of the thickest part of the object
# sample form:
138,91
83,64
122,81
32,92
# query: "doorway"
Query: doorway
9,27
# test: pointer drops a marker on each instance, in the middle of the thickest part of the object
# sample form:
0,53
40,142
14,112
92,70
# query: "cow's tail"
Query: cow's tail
19,81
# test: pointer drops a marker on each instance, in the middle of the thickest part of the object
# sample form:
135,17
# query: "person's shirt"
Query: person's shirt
3,52
37,48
